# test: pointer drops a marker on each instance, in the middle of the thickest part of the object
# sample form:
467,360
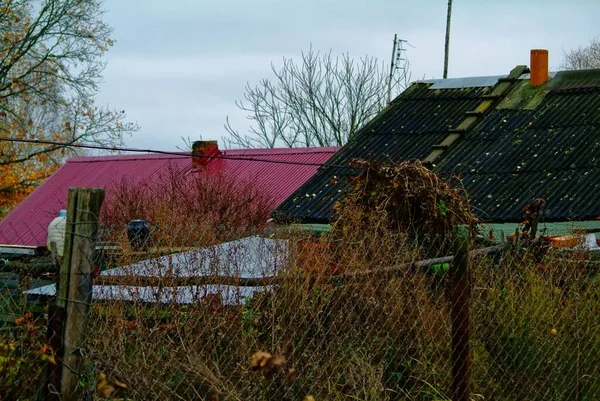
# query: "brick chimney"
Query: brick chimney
204,148
538,67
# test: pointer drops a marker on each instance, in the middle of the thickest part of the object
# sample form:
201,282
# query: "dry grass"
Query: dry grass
378,337
382,338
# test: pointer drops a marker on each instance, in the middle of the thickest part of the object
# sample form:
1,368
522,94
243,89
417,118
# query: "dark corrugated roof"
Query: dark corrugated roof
552,151
580,79
535,142
415,121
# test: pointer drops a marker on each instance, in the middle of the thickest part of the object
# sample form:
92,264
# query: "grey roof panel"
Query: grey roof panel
468,82
251,257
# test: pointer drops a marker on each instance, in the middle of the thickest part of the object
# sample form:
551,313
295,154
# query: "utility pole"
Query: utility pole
447,45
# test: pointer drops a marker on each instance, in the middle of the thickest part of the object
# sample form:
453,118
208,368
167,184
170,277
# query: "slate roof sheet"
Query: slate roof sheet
551,151
416,120
534,142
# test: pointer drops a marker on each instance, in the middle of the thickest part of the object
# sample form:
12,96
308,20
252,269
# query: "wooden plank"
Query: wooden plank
76,282
507,80
473,116
450,139
484,105
467,122
56,316
432,157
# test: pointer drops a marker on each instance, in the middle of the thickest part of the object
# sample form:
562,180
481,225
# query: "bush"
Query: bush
406,198
186,210
24,357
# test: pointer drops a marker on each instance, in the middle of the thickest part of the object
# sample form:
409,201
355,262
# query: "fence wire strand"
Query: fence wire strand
334,324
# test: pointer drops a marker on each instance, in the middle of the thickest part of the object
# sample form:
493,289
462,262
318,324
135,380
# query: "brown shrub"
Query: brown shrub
187,209
406,198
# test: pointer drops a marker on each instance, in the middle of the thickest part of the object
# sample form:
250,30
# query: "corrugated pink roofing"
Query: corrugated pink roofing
27,223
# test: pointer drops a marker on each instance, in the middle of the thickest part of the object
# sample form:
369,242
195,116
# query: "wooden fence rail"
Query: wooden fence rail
352,276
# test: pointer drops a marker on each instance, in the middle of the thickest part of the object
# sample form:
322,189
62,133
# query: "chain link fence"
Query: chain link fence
27,336
287,315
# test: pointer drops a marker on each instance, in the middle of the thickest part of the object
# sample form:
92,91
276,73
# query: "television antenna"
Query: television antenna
399,65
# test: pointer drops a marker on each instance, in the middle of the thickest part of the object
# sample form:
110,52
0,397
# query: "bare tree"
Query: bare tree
50,68
321,101
51,63
583,57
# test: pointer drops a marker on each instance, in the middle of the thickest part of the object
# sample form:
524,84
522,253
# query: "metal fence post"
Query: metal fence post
461,294
74,292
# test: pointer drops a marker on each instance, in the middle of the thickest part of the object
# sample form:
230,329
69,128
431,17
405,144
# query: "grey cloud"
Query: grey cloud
178,67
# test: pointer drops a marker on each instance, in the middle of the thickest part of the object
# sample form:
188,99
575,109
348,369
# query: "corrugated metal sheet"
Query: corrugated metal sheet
28,222
251,257
277,180
466,82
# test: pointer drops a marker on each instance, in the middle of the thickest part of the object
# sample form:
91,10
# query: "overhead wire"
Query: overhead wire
166,152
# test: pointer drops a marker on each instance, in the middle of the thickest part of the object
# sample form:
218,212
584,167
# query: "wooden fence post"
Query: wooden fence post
74,292
461,298
54,336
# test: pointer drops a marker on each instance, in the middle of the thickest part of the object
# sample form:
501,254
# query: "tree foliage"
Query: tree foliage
583,57
51,63
320,101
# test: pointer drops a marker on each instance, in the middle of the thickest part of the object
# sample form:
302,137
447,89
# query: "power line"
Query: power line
165,152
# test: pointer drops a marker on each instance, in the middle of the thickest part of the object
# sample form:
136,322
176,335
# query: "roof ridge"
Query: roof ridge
284,149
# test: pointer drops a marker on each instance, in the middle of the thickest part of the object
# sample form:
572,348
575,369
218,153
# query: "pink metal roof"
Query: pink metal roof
27,223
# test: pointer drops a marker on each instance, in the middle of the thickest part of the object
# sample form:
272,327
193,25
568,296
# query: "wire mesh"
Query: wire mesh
282,315
27,337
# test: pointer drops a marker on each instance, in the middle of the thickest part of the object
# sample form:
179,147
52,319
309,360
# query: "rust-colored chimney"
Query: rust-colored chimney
204,148
538,67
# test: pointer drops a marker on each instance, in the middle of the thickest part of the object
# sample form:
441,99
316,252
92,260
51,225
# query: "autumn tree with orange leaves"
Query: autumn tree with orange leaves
51,63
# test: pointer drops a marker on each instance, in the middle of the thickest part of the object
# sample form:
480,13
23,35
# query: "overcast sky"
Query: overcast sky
178,67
